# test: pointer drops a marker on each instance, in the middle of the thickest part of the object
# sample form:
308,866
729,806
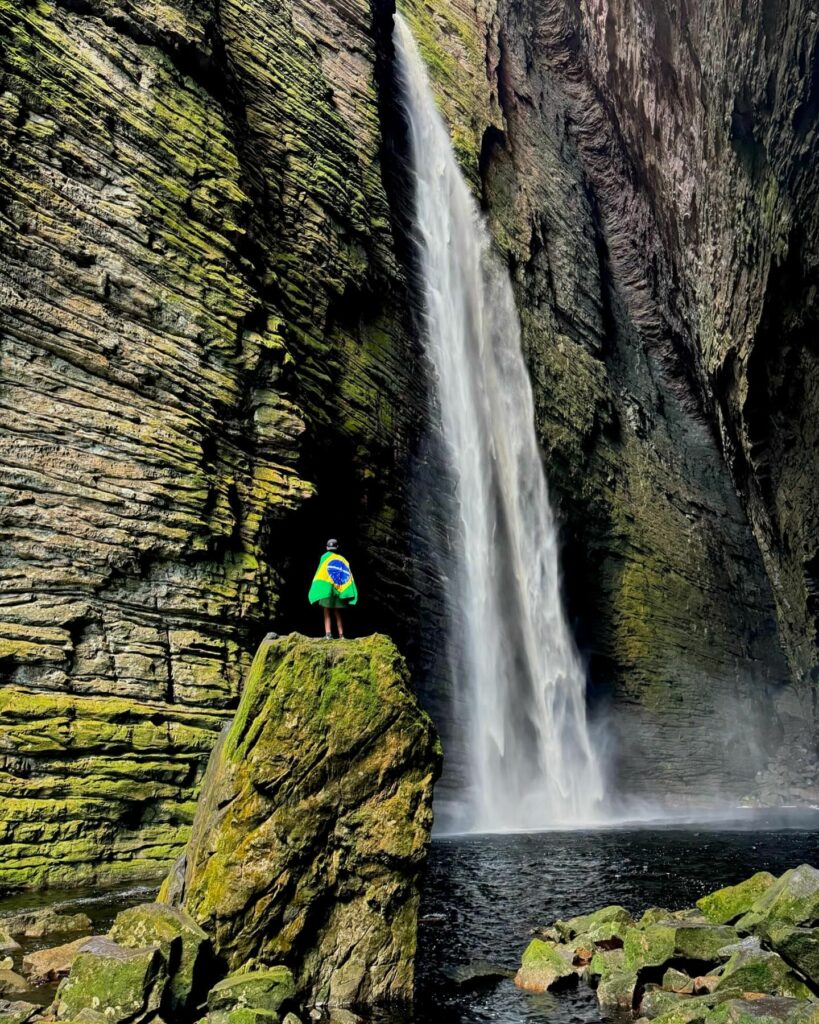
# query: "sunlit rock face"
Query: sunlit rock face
208,358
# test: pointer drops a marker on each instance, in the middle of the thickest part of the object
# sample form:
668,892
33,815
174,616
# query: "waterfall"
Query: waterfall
520,687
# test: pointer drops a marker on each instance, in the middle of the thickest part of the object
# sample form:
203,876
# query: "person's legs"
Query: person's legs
339,625
328,623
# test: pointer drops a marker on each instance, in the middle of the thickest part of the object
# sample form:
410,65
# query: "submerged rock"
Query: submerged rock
123,984
12,983
37,924
477,974
314,820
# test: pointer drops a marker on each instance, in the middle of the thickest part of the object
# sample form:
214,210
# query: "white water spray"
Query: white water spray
531,763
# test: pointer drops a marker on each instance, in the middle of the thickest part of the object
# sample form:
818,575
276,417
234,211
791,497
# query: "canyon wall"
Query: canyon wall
210,362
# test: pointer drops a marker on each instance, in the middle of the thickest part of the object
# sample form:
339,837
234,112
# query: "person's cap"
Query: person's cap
332,544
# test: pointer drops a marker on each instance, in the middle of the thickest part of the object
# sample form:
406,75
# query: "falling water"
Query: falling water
530,761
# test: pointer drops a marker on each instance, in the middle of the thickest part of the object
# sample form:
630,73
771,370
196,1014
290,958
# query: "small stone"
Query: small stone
7,943
12,983
545,966
677,981
259,990
477,973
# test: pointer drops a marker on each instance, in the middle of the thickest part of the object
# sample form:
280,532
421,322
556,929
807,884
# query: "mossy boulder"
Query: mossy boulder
183,943
125,985
657,1001
758,970
17,1012
793,899
616,990
702,941
766,1010
7,943
599,926
12,983
799,947
728,904
545,966
314,821
649,947
236,999
685,1011
604,963
677,981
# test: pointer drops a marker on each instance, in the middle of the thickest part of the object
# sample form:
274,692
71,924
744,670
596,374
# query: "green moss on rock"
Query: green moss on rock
545,966
726,905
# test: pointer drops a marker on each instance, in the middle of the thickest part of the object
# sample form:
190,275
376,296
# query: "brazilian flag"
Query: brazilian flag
333,579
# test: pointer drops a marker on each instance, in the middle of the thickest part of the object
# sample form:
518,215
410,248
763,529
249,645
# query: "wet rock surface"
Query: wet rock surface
314,822
679,967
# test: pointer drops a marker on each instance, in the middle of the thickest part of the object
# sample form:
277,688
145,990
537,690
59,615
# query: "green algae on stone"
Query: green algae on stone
766,1010
545,966
616,990
264,990
316,814
793,899
125,985
751,969
601,925
726,905
799,947
649,947
182,942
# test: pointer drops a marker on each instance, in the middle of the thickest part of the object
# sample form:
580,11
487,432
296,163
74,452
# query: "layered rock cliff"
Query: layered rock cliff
209,361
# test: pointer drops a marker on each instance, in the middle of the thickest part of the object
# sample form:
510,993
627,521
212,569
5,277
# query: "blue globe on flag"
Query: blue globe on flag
338,571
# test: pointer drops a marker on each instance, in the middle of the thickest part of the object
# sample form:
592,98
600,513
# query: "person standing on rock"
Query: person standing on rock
333,588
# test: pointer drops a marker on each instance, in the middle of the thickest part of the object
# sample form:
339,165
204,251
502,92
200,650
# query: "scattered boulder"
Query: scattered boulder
727,905
254,991
7,943
602,925
7,964
183,943
765,1010
12,983
657,1001
124,984
616,990
17,1012
799,947
793,899
545,966
49,965
38,924
758,970
746,953
314,820
678,981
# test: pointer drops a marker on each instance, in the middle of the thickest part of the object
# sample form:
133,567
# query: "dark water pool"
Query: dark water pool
485,893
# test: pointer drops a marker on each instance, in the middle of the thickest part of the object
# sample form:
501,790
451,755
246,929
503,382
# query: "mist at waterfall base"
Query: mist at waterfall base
519,684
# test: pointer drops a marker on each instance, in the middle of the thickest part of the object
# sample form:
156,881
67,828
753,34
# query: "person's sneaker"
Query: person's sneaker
328,636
